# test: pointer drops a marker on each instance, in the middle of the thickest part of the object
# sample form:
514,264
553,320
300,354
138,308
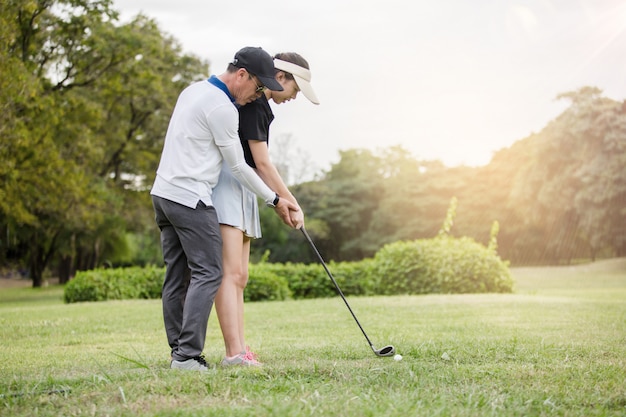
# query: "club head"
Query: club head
386,351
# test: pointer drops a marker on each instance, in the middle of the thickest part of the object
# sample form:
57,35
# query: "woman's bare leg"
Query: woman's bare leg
229,299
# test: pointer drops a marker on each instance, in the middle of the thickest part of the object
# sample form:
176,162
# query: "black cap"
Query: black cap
258,62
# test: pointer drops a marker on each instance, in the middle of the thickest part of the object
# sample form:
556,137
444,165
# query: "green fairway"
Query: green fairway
555,347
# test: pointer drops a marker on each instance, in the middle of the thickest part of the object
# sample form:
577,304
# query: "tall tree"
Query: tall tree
413,199
87,133
354,189
600,203
557,194
571,185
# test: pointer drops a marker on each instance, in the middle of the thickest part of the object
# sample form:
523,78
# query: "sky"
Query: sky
451,80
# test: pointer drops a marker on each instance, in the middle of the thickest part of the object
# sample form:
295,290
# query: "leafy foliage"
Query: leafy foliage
441,265
85,104
115,284
86,111
266,285
556,195
574,179
437,265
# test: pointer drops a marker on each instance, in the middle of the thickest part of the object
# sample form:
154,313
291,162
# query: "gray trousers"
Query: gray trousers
192,251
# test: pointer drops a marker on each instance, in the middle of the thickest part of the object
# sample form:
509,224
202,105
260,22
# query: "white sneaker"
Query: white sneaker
244,358
193,364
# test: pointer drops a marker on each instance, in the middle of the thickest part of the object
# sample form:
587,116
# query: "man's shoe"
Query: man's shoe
193,364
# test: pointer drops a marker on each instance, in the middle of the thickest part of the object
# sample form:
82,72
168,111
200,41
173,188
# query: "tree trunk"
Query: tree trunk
36,270
65,269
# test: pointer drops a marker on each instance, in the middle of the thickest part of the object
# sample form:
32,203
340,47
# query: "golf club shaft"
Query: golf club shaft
336,285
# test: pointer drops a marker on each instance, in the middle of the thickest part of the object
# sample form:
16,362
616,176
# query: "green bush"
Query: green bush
115,284
304,281
440,265
265,285
311,280
354,278
308,281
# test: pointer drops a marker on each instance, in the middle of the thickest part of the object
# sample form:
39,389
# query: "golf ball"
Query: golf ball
397,358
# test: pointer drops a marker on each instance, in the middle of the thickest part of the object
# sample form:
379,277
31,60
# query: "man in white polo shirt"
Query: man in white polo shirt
203,132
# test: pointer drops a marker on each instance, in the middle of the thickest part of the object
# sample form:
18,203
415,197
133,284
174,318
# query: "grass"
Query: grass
556,347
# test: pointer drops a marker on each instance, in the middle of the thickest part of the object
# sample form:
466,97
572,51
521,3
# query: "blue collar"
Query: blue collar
219,84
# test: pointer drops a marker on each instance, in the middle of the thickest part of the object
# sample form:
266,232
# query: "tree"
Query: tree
557,195
600,203
86,134
354,190
413,199
570,189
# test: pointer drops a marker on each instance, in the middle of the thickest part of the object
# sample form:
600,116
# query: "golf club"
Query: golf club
387,350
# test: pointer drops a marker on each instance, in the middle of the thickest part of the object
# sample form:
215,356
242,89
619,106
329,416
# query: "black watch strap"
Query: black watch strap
274,203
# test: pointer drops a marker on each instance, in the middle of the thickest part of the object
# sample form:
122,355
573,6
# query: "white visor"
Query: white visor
302,77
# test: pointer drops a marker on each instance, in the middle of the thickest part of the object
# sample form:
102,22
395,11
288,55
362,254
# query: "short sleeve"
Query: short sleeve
254,124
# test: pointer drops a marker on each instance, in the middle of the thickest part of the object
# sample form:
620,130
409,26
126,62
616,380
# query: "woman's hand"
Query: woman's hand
297,218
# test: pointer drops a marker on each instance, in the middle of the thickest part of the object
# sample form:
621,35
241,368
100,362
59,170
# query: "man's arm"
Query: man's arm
270,175
233,157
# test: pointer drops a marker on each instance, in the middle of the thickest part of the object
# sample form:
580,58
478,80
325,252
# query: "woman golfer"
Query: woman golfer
237,208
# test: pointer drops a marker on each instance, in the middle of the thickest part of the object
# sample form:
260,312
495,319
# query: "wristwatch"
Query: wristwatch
274,203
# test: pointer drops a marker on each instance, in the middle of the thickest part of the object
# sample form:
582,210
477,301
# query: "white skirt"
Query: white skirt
236,206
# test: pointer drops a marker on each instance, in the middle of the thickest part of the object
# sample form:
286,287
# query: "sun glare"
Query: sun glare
609,27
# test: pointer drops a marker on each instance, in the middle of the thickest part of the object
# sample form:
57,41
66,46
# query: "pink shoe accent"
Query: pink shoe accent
251,353
244,358
249,358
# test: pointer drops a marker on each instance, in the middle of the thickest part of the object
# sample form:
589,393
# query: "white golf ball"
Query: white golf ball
397,358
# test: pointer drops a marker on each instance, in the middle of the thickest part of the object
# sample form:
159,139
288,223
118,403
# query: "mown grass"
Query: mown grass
555,347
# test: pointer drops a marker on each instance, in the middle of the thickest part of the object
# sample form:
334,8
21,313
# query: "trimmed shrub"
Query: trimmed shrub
440,265
311,281
265,285
354,278
115,284
304,281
